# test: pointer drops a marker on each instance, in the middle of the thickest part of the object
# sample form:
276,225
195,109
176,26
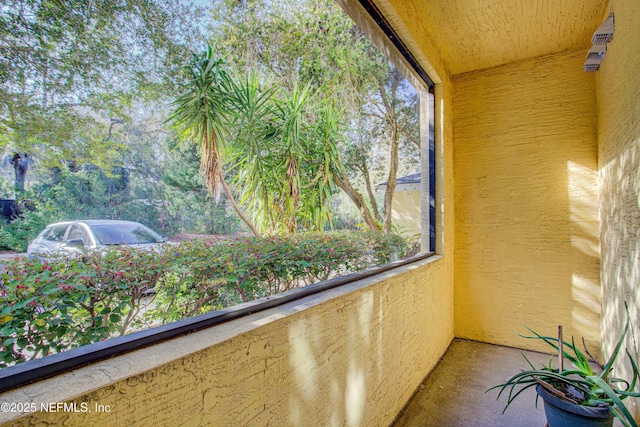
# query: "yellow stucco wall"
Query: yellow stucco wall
618,94
526,231
353,357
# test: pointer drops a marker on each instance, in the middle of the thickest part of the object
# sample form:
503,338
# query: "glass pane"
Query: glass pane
78,232
125,234
55,234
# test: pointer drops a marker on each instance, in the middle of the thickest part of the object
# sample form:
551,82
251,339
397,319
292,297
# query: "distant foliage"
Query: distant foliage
86,193
190,208
73,74
17,234
49,307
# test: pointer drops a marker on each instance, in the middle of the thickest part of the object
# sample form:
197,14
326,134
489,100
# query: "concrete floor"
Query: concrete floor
454,393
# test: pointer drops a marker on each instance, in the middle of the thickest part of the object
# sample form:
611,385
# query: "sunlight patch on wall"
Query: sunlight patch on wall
356,394
365,314
583,199
302,360
585,286
585,316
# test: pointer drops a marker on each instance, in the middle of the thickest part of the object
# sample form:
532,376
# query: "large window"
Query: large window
286,151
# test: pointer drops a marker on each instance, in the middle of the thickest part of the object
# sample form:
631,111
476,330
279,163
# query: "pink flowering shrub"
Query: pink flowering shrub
63,303
68,302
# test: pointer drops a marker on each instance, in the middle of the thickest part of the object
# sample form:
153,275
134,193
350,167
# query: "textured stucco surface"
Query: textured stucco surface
526,232
618,92
352,356
476,34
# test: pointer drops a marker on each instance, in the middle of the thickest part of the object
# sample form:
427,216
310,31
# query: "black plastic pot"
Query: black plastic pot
566,414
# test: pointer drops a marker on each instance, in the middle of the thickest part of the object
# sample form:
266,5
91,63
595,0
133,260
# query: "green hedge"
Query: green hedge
69,302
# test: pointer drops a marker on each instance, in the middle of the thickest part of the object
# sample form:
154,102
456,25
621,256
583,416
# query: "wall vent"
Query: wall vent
602,36
604,33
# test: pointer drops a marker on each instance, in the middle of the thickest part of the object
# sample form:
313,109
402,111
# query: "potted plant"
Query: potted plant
584,395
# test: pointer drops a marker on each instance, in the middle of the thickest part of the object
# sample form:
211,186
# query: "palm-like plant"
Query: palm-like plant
255,139
280,143
327,162
280,153
202,115
294,138
580,385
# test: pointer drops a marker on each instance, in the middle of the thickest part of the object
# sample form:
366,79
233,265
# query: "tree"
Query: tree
390,106
70,70
201,116
278,142
283,148
314,43
189,206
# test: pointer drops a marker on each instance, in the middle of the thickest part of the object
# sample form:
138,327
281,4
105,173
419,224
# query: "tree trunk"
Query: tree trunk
391,118
393,174
20,166
367,179
232,200
357,200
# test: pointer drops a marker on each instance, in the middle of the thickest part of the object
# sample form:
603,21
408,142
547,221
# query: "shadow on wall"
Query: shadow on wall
344,392
360,366
620,204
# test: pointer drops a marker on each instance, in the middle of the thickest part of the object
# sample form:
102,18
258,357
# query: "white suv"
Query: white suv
72,236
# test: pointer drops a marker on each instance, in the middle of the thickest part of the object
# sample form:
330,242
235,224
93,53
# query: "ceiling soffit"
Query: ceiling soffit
477,34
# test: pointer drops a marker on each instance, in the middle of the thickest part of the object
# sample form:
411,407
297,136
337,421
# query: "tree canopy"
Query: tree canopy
71,72
315,43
